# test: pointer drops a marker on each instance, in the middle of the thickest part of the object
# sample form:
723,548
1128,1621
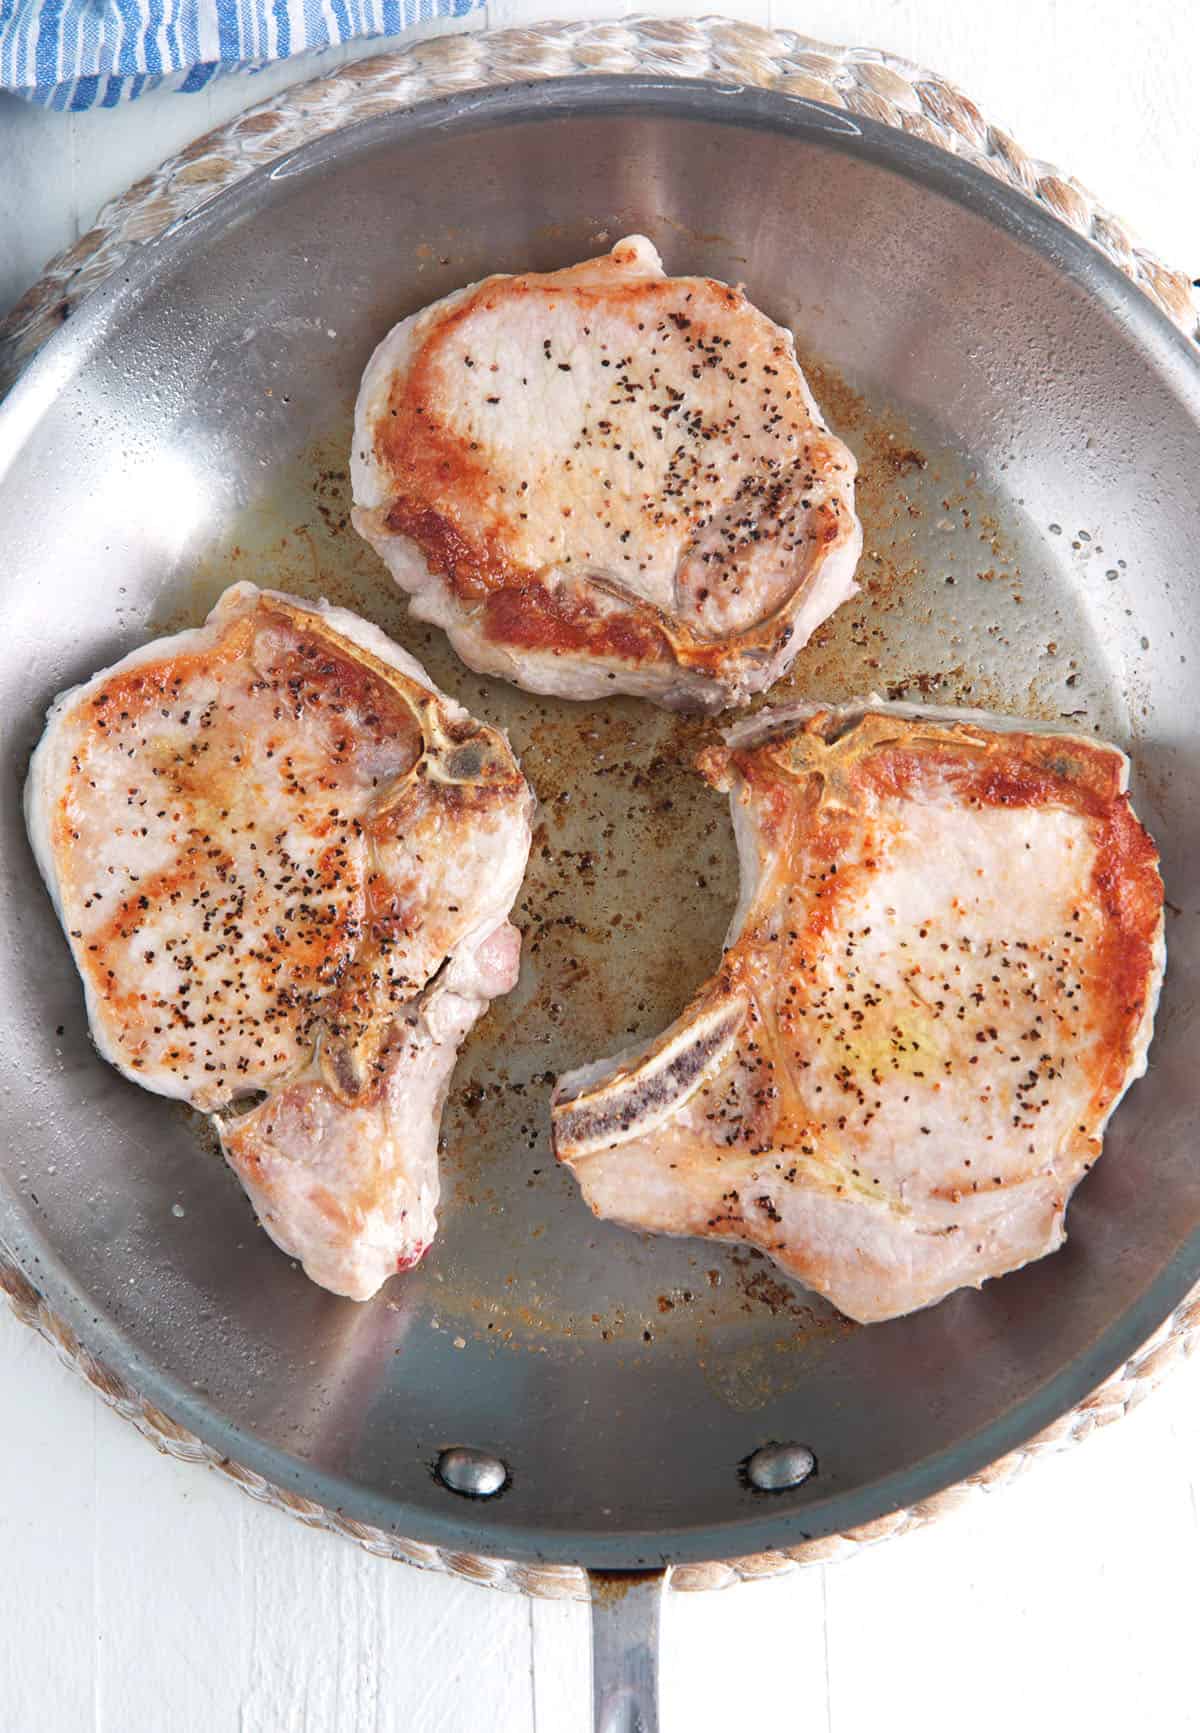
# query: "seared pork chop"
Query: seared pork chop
939,981
285,863
606,480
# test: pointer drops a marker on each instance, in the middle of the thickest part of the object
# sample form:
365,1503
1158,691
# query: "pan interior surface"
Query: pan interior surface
1029,436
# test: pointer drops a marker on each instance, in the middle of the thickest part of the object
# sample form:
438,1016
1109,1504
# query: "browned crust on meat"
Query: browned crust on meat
441,496
472,563
529,617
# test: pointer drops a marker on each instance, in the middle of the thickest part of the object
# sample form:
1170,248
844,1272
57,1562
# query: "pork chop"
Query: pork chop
939,981
606,480
285,863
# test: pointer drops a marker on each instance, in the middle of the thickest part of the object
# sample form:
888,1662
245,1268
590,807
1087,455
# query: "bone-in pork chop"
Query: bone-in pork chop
939,982
606,480
285,863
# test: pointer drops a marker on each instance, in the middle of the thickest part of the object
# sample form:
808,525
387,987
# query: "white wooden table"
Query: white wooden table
141,1596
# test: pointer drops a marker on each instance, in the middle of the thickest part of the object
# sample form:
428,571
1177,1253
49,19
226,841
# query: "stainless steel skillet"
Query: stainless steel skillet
1030,433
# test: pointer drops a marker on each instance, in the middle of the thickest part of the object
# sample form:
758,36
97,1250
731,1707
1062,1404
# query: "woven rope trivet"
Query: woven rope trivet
863,81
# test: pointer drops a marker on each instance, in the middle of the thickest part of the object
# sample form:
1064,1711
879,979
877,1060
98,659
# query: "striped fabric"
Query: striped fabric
75,54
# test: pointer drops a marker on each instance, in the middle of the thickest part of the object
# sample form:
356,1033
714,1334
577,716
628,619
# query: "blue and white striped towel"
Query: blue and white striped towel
74,54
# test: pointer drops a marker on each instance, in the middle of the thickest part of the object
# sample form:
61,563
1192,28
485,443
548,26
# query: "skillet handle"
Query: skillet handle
625,1619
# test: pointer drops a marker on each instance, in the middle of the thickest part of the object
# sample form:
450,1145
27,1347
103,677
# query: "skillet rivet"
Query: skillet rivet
473,1473
776,1467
